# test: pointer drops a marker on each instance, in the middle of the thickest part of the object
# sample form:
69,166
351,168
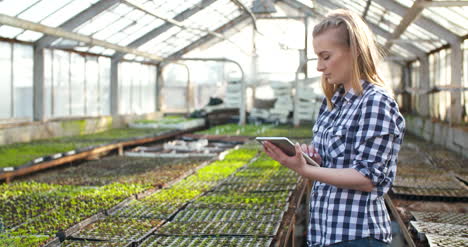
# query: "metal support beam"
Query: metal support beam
424,83
77,20
161,29
248,11
456,67
169,20
409,17
366,10
114,88
38,79
58,32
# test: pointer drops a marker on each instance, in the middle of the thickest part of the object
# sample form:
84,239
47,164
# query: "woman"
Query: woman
357,138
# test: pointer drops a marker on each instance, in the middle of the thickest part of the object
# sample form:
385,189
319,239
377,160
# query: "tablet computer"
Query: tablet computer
287,146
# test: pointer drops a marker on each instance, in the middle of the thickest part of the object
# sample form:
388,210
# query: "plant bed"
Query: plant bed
64,206
28,154
25,240
264,229
275,179
177,241
117,229
242,200
151,172
255,187
148,210
213,215
169,123
260,130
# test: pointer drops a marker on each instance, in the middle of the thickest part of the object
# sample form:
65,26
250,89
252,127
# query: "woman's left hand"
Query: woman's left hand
296,162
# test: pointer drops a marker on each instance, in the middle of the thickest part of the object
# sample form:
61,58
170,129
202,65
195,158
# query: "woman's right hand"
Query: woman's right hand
310,150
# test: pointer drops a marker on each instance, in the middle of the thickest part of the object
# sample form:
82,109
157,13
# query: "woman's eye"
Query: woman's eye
326,58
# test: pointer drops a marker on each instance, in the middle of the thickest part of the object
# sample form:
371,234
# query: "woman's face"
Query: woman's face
334,58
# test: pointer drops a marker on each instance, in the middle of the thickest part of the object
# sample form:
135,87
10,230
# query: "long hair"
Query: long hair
357,36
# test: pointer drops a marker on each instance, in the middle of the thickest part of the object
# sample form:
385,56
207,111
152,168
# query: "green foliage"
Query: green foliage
241,154
23,241
165,120
21,153
260,130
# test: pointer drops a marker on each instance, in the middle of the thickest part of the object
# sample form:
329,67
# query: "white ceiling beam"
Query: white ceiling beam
427,4
423,22
409,17
58,32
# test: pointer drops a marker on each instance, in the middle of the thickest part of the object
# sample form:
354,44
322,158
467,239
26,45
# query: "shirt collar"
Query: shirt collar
350,96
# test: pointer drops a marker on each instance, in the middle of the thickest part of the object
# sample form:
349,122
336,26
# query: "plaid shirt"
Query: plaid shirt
363,132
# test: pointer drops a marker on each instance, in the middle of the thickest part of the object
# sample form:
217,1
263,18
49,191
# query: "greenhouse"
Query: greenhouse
135,123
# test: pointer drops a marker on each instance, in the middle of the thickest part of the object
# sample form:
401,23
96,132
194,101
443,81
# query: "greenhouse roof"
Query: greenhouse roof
166,28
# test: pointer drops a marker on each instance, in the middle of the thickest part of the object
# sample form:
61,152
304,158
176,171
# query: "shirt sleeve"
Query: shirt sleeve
380,127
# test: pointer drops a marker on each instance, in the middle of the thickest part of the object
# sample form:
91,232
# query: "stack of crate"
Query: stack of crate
308,104
284,102
233,97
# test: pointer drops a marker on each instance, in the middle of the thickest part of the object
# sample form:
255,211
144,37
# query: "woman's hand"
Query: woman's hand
310,150
295,163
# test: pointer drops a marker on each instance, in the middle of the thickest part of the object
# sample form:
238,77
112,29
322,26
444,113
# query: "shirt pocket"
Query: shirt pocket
337,142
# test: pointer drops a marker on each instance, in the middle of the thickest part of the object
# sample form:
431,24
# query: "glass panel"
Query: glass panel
29,36
48,86
104,85
66,13
454,19
61,83
23,81
5,80
92,86
14,7
9,32
42,9
77,69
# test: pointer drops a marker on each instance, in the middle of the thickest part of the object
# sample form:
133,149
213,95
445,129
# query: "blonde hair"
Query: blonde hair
357,36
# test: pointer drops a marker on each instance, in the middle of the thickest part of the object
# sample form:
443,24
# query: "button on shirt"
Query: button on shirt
363,132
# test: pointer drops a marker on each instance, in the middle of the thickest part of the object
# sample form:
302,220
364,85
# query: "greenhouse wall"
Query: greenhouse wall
29,131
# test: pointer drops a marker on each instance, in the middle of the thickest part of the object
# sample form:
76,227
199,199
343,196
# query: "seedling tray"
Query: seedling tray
437,240
177,241
449,230
439,182
442,217
268,180
200,215
263,229
432,193
84,243
255,187
147,210
117,229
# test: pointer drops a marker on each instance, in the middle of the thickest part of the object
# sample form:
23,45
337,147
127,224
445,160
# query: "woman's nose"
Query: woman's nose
320,67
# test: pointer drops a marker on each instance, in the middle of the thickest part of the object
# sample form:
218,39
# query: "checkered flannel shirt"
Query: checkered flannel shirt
363,132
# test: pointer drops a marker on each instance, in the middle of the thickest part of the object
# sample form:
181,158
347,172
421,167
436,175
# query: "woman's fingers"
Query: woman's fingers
314,154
